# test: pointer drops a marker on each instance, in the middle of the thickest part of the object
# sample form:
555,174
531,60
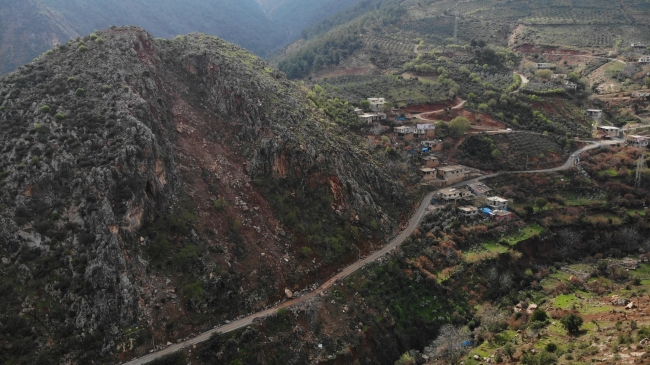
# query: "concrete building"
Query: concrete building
430,161
479,189
644,59
639,45
609,131
545,66
431,145
468,211
453,194
570,86
426,130
403,130
641,94
452,174
369,118
497,203
594,114
501,215
428,173
377,104
637,141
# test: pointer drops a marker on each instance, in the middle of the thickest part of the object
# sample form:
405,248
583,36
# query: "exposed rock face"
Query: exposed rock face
134,177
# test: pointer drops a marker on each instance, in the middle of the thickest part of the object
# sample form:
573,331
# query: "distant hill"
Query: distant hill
379,33
29,28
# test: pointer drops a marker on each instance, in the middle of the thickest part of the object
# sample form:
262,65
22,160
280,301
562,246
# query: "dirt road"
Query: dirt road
394,243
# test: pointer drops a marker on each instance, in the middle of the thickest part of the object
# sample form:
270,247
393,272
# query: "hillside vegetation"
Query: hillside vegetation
155,188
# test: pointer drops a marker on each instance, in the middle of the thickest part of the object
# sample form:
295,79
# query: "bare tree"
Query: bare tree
450,344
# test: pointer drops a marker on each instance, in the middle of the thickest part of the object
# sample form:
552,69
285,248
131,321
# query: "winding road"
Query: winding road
394,243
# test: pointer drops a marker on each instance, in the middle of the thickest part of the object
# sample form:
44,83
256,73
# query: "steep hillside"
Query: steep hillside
33,26
154,188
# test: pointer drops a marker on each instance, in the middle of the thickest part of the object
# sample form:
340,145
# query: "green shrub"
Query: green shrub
106,88
551,347
60,116
220,204
572,323
539,315
82,48
2,108
72,79
80,92
99,41
45,109
93,36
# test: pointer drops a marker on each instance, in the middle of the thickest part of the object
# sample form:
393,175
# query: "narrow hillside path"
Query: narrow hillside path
394,243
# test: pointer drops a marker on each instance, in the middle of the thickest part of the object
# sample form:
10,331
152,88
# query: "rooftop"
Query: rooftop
468,209
497,199
479,188
451,168
429,157
427,169
608,128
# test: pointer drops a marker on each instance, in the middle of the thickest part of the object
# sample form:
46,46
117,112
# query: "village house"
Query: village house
644,59
452,174
377,104
571,86
545,66
369,118
358,111
479,189
637,141
497,203
609,131
639,45
594,114
641,94
428,173
430,161
403,130
431,145
453,194
501,215
426,130
468,211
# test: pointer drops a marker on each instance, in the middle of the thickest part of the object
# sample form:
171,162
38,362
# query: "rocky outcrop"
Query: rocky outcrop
126,159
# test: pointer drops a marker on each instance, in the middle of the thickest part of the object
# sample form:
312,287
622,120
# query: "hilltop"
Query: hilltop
154,188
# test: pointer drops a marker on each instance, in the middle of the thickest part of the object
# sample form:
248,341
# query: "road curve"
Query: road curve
394,243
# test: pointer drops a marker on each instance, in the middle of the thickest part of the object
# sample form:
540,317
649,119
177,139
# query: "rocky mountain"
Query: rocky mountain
155,188
29,28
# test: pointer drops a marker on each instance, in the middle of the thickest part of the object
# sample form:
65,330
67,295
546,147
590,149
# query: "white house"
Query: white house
637,141
571,86
453,194
639,45
610,131
497,203
644,59
468,211
371,117
545,66
403,130
594,114
641,94
377,104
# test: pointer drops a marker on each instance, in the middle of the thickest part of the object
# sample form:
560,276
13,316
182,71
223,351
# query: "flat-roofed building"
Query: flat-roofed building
452,174
497,203
468,211
637,141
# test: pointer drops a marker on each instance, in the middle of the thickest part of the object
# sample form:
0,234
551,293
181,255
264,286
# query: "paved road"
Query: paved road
394,243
